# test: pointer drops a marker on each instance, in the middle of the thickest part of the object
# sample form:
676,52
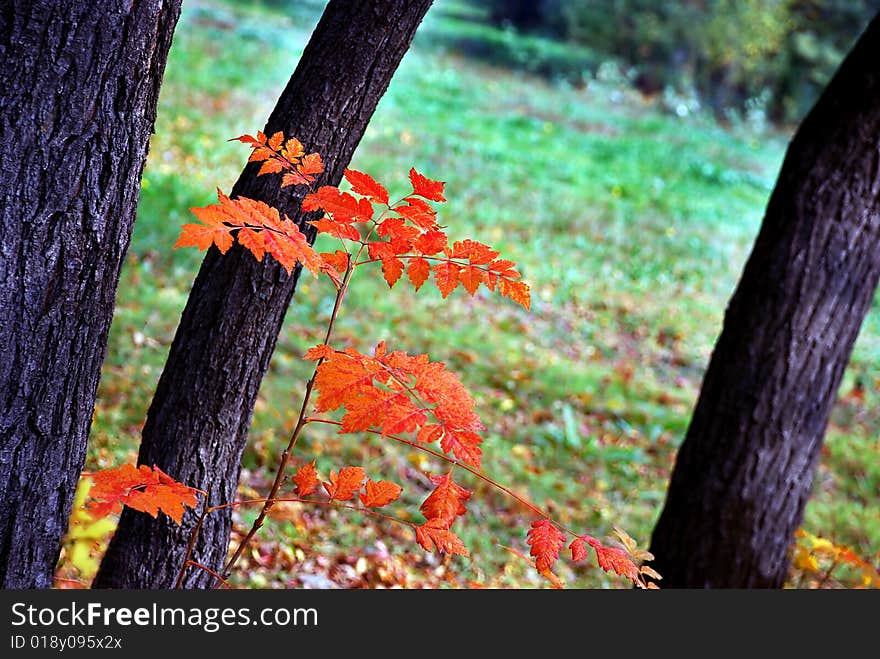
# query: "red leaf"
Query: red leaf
309,165
418,272
471,277
446,277
364,184
545,540
430,433
336,229
431,242
425,187
447,500
341,205
392,269
464,445
343,486
433,534
518,291
141,488
476,253
321,351
612,558
393,412
578,548
380,493
271,166
418,211
338,260
306,479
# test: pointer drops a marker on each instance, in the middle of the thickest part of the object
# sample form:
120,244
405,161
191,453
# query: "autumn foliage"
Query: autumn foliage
399,396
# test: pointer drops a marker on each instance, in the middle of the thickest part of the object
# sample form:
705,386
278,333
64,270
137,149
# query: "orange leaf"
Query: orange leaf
464,445
476,253
309,165
141,488
545,541
271,166
293,149
446,277
336,229
431,242
425,187
252,241
418,211
578,548
338,260
306,478
471,277
341,205
433,534
364,184
380,493
393,412
395,227
321,351
518,291
392,269
430,433
343,486
447,500
612,558
275,141
418,272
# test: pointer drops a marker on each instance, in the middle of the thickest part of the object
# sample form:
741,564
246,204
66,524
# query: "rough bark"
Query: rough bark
744,473
79,83
196,427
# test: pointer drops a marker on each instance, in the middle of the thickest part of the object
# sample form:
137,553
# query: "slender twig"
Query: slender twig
458,463
209,571
300,424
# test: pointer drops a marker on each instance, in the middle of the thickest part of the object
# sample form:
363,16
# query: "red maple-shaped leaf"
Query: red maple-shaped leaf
306,479
425,187
380,493
434,533
545,541
344,485
446,501
142,488
364,184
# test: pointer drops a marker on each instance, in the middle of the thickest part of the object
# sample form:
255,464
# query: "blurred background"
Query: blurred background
620,151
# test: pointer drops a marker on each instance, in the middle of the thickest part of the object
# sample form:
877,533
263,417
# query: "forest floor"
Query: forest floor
630,217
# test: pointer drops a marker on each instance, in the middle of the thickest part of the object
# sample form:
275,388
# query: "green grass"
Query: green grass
631,225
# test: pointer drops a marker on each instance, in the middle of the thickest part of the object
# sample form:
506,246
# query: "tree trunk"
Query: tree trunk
79,85
196,427
744,472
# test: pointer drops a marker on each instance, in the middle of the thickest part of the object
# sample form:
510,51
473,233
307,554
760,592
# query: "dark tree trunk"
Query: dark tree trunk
744,472
196,427
79,82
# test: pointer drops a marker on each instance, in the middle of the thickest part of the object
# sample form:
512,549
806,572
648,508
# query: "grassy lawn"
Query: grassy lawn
630,222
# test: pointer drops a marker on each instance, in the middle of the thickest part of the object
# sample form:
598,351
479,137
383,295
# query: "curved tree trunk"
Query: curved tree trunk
196,428
744,472
78,88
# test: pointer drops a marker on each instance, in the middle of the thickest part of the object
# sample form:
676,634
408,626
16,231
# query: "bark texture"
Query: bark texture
79,83
196,427
745,470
